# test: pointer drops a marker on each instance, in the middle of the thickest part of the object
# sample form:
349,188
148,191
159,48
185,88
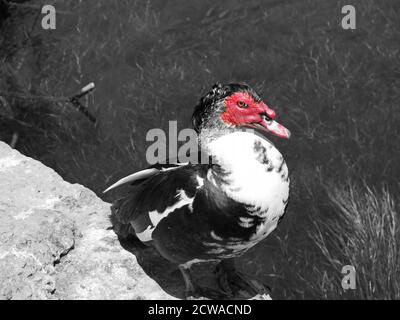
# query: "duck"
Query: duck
214,210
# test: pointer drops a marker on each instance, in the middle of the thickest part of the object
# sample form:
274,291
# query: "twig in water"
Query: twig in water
74,100
79,106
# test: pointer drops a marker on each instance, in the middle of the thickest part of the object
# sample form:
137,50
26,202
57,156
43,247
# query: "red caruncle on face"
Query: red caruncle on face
241,109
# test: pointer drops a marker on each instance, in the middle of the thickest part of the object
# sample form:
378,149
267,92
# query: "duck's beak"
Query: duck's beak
268,124
274,127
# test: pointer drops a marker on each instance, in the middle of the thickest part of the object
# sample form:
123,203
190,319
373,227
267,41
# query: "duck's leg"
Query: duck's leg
193,291
190,286
238,285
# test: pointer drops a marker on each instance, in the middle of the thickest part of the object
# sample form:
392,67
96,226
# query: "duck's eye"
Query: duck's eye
242,104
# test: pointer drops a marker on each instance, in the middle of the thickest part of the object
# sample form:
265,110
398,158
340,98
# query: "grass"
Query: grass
337,90
365,231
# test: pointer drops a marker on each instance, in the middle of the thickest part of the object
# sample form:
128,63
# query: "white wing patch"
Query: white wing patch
133,177
246,222
184,200
200,181
174,168
156,217
215,236
145,235
143,174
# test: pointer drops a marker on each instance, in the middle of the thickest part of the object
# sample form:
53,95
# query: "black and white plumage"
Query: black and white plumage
193,213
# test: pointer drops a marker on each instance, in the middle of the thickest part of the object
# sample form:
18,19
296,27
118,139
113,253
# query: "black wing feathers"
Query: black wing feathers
155,193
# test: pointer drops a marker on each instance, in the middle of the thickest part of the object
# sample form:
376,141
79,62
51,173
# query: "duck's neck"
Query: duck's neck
208,136
210,139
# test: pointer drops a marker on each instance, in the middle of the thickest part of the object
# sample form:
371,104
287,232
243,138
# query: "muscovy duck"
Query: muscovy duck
194,213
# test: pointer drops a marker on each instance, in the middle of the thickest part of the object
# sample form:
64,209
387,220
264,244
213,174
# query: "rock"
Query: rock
56,240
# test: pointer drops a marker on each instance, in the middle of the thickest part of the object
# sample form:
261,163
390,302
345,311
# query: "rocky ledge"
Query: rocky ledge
56,240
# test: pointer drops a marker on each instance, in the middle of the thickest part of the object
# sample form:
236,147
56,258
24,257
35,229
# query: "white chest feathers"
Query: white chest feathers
256,173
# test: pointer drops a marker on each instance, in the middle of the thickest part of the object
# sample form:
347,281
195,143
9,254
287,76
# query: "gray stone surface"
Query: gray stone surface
56,240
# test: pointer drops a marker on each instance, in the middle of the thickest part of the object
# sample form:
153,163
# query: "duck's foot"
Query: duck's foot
237,285
195,292
203,294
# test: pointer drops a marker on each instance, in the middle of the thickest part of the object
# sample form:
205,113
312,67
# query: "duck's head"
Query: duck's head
235,106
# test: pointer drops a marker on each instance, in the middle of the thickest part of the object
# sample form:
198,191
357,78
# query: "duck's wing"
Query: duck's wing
160,192
152,170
